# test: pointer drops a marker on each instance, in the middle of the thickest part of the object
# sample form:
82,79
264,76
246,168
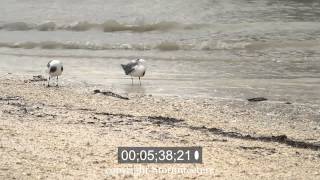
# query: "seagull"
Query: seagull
55,69
135,68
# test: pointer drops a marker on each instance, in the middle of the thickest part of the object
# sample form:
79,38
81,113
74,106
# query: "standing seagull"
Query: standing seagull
135,69
55,69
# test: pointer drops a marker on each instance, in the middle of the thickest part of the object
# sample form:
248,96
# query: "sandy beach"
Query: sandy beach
72,133
240,79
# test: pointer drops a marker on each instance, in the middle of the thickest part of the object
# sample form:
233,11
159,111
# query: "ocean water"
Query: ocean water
231,49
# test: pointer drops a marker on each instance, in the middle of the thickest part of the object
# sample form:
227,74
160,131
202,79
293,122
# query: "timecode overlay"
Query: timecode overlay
160,154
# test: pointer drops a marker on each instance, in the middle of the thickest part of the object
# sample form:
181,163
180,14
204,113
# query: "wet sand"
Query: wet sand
72,133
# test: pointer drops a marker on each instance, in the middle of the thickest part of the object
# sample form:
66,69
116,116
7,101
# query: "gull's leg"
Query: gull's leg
57,81
139,81
49,81
131,80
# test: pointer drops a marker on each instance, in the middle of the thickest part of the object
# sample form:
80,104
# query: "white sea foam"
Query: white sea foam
107,26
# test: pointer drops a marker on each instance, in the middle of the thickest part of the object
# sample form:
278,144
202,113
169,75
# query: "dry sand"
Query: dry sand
72,133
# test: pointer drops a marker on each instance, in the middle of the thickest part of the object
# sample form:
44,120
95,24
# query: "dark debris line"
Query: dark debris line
10,98
163,120
282,139
257,99
169,121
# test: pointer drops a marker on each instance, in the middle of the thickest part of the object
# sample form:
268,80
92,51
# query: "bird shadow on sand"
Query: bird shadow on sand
37,78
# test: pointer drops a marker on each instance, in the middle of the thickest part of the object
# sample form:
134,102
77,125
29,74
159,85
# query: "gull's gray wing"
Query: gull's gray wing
128,68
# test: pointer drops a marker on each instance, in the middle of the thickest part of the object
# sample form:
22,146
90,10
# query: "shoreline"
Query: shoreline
72,133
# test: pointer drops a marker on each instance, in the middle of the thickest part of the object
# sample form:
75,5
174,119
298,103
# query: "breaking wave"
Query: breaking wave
161,46
107,26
